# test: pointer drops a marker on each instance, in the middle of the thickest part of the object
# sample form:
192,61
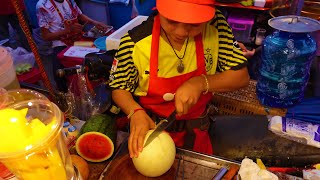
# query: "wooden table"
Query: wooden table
96,169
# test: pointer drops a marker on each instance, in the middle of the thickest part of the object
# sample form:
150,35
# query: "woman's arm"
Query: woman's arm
85,19
228,80
189,92
140,122
50,36
124,100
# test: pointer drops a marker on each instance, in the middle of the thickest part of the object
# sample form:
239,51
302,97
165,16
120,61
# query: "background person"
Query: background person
61,21
8,16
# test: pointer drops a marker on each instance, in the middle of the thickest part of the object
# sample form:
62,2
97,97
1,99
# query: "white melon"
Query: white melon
157,157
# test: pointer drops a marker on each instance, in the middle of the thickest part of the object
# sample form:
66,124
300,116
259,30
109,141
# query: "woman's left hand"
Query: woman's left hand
188,94
101,26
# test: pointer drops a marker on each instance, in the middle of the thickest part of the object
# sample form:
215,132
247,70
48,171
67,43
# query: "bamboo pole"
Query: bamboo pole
33,47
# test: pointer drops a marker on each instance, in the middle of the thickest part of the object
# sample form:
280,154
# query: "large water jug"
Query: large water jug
286,58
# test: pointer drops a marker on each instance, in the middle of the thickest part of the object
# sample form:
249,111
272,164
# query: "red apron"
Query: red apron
72,37
158,86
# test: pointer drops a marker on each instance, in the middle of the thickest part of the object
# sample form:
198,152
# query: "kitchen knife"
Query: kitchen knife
162,125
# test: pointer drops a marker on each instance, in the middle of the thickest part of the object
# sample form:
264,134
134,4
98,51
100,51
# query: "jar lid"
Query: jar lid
72,128
296,24
66,124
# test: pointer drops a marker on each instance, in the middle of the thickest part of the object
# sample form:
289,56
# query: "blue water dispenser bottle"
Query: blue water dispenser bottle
286,58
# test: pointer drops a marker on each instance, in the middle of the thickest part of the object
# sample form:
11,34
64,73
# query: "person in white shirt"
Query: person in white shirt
62,22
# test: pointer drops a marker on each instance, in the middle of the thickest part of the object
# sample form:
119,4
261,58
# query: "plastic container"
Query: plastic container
100,43
113,41
120,14
73,131
286,58
8,98
11,97
36,149
259,3
8,78
299,131
66,125
241,25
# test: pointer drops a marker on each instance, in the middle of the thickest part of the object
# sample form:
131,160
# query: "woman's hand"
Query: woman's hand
247,53
74,28
140,123
101,26
188,94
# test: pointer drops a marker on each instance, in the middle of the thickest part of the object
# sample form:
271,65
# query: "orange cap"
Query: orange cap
187,11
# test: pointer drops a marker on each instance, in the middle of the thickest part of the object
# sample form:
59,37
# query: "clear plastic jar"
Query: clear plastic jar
284,70
34,147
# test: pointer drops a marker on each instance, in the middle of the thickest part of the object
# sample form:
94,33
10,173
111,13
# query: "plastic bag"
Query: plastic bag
21,56
82,102
296,130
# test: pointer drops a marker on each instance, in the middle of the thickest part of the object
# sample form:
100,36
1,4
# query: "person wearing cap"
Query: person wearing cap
174,61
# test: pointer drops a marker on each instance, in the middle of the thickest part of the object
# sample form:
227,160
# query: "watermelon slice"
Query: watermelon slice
94,146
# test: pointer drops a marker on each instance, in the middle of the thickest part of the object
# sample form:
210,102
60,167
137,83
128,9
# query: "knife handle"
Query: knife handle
222,171
233,170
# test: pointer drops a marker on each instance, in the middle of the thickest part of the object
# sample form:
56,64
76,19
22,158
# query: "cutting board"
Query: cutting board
123,168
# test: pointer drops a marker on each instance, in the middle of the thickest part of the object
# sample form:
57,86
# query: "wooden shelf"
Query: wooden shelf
238,5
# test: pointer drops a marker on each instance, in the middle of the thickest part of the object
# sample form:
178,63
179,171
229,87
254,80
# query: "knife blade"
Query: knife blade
162,125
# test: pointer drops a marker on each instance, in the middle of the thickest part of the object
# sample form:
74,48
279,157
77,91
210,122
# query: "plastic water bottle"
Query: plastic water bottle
285,61
285,68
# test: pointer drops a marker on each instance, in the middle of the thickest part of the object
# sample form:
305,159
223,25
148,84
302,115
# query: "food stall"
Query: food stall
240,130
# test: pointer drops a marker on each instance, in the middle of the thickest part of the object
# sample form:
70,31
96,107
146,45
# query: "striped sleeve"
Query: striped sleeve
230,56
124,74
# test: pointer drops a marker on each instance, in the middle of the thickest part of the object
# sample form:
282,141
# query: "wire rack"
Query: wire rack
243,102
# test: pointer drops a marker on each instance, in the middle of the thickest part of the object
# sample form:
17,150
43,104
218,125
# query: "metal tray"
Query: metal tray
188,165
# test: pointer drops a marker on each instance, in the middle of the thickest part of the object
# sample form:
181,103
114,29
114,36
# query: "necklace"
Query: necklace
180,67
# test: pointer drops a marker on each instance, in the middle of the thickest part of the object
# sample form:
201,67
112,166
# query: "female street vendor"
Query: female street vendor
175,61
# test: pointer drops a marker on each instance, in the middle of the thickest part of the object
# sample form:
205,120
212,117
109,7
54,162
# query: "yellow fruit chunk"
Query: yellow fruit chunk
13,126
260,164
317,166
44,162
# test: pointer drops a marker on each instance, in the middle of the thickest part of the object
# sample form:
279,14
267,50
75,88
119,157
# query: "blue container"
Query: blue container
32,13
120,14
100,43
285,67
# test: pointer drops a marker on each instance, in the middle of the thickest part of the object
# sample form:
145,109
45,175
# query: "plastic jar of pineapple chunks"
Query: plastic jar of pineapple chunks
34,146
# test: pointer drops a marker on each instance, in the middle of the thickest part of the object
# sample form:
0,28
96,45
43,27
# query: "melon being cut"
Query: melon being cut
157,157
94,146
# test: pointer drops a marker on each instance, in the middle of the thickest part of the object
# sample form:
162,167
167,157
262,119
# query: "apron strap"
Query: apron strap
155,47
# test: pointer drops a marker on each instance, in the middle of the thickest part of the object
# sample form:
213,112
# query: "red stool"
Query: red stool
32,77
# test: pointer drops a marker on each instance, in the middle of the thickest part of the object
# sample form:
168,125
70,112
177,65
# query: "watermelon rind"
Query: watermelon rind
83,145
100,123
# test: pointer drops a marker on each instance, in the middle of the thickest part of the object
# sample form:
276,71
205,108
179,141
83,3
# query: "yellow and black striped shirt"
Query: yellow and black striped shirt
132,61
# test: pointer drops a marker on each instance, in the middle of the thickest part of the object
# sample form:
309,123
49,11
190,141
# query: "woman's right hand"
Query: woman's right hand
140,123
75,28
